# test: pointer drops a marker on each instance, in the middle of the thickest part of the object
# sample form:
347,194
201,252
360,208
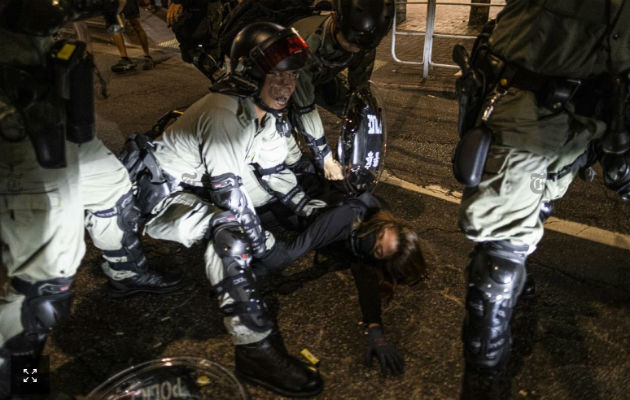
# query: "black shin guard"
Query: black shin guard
129,260
496,276
232,245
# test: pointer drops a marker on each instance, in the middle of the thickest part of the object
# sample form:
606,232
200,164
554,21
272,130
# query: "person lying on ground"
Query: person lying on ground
381,250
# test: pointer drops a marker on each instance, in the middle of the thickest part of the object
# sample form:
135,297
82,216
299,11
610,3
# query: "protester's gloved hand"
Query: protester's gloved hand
332,169
391,361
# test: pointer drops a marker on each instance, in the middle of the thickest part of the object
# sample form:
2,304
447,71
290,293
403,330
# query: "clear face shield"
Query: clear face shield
362,143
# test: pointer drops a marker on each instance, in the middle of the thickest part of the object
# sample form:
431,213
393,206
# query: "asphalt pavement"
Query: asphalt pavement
571,341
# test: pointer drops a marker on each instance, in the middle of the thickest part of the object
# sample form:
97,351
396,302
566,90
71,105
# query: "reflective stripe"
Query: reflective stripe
110,212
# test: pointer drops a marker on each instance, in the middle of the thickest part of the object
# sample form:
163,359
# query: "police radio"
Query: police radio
56,102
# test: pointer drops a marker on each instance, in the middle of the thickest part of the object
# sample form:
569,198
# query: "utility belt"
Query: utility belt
551,92
150,184
484,75
50,103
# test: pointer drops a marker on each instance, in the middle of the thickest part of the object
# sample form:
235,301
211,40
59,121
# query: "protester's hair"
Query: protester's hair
407,265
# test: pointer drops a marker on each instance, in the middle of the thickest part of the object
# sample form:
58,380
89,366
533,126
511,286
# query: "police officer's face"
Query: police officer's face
278,88
386,244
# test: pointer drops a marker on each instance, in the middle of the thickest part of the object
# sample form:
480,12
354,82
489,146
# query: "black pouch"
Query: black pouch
471,154
557,92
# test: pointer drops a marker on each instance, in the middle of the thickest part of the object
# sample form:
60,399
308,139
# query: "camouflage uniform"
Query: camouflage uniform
324,84
537,148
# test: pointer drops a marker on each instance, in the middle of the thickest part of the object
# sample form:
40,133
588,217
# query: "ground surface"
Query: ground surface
571,341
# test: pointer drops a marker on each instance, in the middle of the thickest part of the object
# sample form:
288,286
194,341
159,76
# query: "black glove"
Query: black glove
391,362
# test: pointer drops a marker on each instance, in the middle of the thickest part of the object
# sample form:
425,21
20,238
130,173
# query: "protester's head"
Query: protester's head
362,24
394,247
270,56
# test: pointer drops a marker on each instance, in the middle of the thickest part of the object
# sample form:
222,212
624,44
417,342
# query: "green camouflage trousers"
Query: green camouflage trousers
530,144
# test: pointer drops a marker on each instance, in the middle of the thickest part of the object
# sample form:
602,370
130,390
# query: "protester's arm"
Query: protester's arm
390,360
366,281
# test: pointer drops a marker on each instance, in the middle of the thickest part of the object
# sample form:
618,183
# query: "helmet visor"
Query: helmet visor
287,51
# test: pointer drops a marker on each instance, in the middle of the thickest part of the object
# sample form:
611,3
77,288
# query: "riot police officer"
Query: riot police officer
346,39
52,171
342,40
544,90
222,158
196,26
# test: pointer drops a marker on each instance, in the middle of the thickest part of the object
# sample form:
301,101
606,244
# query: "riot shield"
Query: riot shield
361,146
187,378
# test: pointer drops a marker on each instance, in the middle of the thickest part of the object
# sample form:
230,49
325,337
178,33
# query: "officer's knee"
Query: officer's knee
130,254
231,244
46,303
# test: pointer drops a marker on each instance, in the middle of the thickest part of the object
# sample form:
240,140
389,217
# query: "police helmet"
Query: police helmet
364,23
262,47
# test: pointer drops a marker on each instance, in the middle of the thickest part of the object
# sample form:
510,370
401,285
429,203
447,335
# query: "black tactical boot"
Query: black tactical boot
485,384
147,281
267,363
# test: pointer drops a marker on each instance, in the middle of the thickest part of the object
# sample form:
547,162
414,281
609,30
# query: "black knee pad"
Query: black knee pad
496,276
232,245
46,304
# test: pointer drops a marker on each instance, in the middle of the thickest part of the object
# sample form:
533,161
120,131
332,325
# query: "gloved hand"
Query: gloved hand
312,207
391,362
332,169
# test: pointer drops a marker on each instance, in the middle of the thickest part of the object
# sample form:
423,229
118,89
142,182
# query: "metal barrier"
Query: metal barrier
430,34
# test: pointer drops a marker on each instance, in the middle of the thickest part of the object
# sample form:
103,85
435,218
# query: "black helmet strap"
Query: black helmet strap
260,103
